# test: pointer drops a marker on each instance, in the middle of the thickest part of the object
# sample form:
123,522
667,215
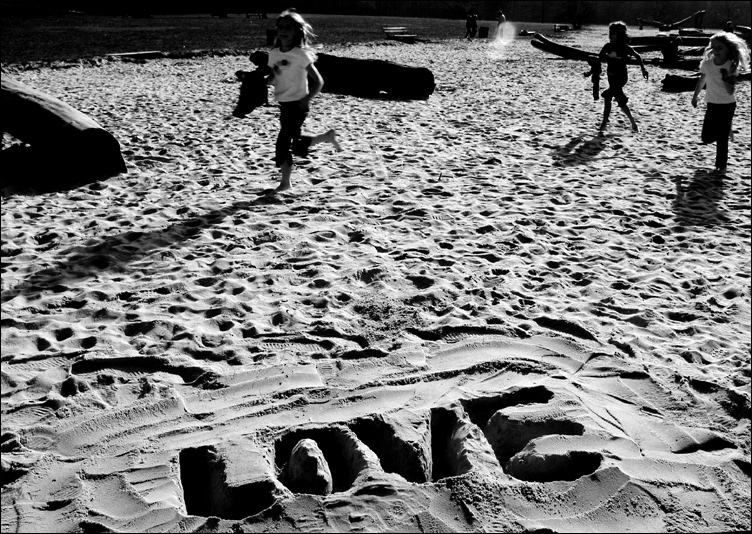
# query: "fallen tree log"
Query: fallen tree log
662,40
368,78
74,142
374,78
679,83
568,52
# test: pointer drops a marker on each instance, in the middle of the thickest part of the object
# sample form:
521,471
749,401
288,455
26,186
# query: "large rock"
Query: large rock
70,140
307,470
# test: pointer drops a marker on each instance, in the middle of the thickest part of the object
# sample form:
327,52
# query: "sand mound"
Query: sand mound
478,316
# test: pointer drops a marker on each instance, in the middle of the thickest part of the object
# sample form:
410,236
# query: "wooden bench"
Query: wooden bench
150,54
398,33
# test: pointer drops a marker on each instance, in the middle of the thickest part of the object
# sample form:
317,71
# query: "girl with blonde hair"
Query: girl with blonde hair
725,56
296,82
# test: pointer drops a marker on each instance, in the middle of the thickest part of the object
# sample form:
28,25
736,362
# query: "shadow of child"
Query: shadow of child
698,199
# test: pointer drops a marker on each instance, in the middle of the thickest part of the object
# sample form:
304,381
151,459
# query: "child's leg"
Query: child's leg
621,100
709,126
608,95
301,145
283,158
626,111
606,111
725,114
328,137
291,121
285,182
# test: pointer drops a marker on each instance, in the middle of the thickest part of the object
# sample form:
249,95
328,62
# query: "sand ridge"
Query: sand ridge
486,316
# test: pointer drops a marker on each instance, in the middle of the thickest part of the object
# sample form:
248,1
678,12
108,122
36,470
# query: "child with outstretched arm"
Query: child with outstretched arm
615,53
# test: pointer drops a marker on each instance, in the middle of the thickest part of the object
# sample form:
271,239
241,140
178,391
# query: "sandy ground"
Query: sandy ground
486,317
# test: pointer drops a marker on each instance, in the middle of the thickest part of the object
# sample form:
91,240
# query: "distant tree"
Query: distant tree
663,12
577,12
729,10
453,10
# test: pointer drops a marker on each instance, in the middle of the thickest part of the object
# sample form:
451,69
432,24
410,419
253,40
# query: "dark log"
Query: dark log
374,77
662,40
569,52
74,141
679,62
367,78
686,40
678,83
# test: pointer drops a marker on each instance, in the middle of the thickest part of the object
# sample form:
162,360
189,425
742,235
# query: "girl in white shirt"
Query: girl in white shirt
296,82
724,57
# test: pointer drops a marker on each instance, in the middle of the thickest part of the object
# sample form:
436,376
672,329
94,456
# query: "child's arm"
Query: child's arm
315,83
603,55
698,88
729,78
642,63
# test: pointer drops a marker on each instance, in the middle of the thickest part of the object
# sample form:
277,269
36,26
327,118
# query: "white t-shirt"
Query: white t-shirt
290,73
715,90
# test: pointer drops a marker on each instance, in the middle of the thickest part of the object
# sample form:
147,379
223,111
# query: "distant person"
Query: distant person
296,82
724,57
500,19
471,26
615,53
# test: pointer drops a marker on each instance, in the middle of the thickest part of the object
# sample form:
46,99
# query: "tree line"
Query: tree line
575,12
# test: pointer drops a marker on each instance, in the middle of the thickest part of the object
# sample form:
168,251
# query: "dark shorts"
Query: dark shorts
616,90
289,140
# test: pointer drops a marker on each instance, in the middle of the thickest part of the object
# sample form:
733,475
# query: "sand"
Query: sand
486,317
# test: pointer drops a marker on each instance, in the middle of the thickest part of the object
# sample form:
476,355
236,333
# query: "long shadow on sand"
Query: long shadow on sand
698,199
117,251
579,150
29,171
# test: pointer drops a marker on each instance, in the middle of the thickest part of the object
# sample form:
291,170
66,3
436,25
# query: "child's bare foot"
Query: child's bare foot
331,137
635,129
283,186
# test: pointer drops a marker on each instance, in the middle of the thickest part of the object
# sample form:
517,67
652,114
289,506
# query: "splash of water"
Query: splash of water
504,36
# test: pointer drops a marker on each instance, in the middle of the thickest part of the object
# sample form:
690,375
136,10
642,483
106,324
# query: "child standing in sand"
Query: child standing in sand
296,82
725,55
615,53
